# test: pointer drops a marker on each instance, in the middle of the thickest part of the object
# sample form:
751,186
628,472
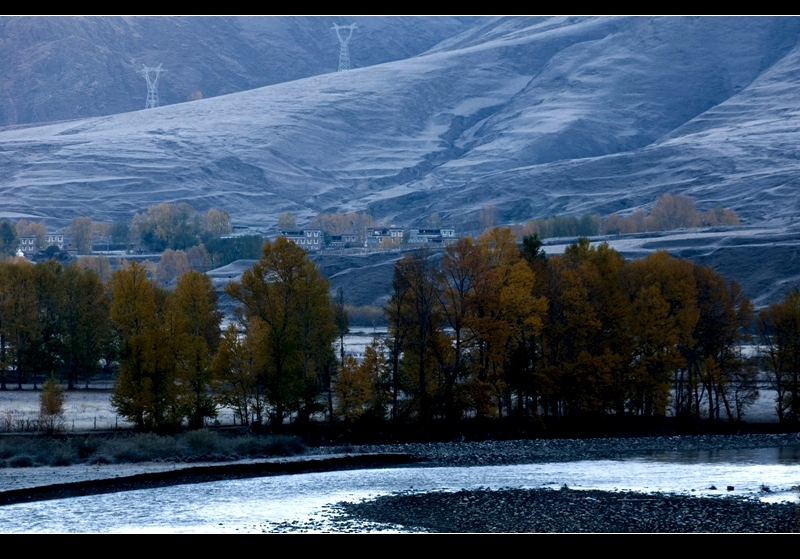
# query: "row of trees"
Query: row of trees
177,226
176,365
174,263
166,343
54,321
162,226
64,322
669,212
492,329
496,330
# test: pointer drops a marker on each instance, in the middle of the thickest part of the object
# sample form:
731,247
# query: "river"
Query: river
304,502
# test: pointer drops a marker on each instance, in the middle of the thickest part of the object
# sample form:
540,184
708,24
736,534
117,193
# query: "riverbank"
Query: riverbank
156,475
534,451
479,453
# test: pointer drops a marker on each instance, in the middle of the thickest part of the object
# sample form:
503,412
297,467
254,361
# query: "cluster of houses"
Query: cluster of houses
27,243
309,239
374,237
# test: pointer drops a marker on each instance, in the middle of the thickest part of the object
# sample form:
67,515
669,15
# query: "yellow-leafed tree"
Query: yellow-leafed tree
198,336
146,391
286,299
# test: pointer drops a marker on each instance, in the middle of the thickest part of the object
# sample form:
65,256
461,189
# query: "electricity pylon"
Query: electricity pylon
344,49
152,85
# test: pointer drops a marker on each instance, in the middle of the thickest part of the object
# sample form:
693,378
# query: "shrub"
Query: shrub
51,406
21,461
63,455
86,446
202,441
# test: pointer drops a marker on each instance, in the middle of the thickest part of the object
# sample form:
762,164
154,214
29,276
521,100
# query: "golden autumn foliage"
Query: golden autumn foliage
145,391
583,334
486,328
285,301
166,343
198,335
235,375
353,389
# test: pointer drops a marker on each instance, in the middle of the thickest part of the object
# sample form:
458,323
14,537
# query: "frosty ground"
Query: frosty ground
89,410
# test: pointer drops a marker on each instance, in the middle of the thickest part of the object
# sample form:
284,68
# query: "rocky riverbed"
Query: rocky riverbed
567,510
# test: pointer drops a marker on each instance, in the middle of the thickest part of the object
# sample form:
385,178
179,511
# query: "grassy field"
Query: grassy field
84,410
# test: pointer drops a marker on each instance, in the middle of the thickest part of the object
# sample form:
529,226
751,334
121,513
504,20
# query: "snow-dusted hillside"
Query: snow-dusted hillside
535,116
54,68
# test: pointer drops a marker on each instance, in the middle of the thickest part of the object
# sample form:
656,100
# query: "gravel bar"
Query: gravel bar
566,510
547,510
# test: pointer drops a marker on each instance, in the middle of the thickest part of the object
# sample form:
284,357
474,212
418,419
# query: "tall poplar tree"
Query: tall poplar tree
420,319
146,391
86,322
19,322
198,336
284,296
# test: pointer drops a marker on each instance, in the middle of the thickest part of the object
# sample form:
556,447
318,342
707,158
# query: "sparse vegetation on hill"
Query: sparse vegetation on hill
669,212
341,223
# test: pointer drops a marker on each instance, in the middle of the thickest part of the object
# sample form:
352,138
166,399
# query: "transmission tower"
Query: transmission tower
344,49
152,85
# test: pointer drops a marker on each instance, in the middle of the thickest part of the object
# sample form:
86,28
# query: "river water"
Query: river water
304,502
